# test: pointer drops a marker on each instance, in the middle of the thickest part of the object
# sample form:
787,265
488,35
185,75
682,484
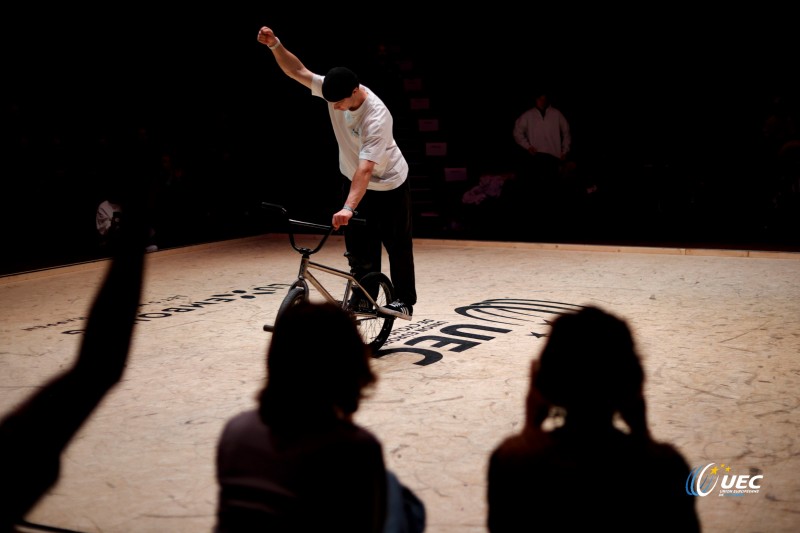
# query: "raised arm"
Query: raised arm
35,434
288,62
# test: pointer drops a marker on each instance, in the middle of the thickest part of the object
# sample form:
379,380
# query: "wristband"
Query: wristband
348,208
276,45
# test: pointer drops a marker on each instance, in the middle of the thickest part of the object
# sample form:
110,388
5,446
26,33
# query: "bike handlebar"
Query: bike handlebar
326,229
323,227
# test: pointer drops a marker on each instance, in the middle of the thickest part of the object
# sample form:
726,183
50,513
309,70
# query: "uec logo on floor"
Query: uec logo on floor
703,480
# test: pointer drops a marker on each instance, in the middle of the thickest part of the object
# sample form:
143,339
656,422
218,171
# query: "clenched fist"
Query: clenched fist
267,36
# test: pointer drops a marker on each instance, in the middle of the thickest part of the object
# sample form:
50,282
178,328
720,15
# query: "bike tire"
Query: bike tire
295,296
373,326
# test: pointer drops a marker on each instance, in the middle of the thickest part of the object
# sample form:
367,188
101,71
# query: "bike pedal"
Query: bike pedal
396,314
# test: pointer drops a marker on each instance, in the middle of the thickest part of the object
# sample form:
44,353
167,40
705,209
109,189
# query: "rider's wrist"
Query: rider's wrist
276,45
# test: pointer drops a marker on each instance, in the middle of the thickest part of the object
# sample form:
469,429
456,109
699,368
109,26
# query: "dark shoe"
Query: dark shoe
400,308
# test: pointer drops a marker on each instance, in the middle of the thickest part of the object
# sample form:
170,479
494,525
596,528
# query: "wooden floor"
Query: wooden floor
719,331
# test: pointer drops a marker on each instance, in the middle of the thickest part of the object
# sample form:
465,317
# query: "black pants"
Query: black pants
388,224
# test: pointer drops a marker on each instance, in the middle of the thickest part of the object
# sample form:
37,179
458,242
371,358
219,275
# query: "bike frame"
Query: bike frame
305,276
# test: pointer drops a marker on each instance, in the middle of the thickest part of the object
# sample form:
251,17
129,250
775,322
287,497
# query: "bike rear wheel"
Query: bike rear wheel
373,326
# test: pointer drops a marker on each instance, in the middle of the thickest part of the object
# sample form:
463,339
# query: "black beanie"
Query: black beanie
339,84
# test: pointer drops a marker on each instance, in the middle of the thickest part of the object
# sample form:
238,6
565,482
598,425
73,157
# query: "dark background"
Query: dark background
666,106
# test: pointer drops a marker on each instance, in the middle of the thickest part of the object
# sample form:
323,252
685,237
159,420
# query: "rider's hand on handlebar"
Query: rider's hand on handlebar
341,218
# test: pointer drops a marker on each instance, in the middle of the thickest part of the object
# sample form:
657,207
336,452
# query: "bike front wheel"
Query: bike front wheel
373,326
295,296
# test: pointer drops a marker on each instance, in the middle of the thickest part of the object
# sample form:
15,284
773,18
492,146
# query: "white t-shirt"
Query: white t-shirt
367,133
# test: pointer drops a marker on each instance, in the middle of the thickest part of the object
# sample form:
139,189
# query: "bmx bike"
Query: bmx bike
365,299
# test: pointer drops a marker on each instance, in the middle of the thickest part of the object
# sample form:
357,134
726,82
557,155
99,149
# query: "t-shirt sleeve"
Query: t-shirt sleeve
316,85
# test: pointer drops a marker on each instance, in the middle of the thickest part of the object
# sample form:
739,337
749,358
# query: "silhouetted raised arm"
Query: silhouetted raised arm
33,436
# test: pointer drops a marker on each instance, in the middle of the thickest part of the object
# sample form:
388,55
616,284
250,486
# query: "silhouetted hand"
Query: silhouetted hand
538,408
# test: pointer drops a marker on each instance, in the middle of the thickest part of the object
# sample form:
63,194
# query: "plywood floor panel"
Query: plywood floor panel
719,332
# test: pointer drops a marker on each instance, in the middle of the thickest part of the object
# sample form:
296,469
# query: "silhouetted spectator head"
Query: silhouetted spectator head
590,365
317,367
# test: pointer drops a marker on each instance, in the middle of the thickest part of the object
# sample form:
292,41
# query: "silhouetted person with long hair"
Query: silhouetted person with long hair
298,462
585,460
34,435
